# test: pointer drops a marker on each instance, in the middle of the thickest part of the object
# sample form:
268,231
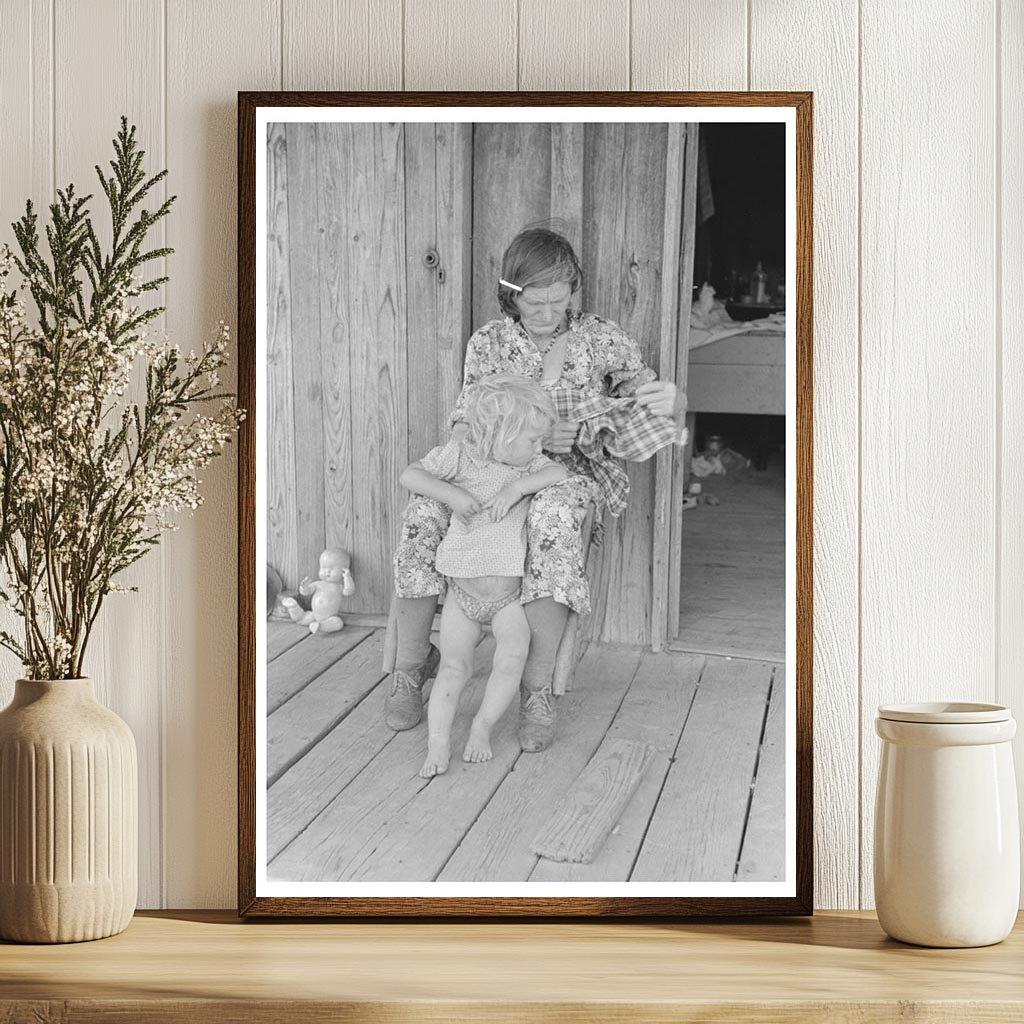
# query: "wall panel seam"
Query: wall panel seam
997,210
750,43
53,97
164,653
519,36
859,867
629,46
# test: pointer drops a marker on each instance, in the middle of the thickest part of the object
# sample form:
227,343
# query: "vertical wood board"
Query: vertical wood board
928,402
307,359
830,69
468,45
1009,318
26,121
341,44
676,274
681,455
701,44
567,175
212,52
339,403
281,512
575,44
622,254
127,666
438,200
375,198
511,190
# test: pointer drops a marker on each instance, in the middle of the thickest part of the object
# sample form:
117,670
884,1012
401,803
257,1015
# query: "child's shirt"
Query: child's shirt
481,548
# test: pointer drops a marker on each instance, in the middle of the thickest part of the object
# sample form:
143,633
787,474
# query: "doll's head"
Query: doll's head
335,565
508,418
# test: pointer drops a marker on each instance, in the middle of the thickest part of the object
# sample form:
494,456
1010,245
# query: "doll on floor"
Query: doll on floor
335,583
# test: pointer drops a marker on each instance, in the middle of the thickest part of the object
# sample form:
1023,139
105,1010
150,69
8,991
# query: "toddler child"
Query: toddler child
486,476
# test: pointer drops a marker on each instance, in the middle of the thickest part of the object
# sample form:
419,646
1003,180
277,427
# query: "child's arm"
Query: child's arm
514,492
416,479
534,482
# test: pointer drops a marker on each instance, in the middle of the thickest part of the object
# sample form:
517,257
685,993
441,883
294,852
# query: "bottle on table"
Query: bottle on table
759,285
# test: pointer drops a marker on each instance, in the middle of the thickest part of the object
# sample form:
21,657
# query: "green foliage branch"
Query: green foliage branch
90,471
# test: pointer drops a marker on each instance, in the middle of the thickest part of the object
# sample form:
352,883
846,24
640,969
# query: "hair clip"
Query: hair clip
509,284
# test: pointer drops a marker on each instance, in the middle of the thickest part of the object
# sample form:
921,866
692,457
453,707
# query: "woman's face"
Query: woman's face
542,307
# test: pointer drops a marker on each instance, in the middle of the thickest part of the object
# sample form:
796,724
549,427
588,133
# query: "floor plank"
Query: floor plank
313,782
303,791
697,827
654,711
349,840
301,664
593,805
316,709
764,846
283,635
732,600
496,848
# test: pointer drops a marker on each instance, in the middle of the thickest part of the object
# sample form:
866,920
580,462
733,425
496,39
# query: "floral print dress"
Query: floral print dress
600,359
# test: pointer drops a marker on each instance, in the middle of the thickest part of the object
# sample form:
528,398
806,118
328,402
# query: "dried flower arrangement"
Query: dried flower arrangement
89,478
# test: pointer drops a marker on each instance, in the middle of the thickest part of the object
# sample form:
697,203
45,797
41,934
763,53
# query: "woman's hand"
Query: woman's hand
562,436
502,502
463,505
662,398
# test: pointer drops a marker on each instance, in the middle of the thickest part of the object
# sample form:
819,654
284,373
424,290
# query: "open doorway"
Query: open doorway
732,503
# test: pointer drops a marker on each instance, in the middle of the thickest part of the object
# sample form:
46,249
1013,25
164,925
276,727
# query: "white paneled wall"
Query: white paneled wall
919,301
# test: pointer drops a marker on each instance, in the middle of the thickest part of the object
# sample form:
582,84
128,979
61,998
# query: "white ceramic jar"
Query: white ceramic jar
947,847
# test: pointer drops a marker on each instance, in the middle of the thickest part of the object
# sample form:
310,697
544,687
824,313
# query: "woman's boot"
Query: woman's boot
416,661
537,714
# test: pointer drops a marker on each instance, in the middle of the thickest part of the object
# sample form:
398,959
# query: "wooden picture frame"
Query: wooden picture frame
567,147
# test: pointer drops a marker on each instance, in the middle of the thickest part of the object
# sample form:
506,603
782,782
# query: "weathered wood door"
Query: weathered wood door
385,250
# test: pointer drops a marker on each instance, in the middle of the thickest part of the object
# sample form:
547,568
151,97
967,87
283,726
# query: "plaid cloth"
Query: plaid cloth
612,429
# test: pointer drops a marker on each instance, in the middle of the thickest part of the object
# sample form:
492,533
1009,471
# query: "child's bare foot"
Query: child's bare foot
438,754
478,746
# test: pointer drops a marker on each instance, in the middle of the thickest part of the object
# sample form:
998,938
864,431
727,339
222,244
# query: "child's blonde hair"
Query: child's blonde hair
499,408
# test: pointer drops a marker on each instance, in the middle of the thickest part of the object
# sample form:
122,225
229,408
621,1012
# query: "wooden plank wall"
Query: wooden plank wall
919,403
354,210
374,270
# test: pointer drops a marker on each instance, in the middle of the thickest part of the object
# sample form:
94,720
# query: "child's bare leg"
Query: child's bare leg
512,644
459,636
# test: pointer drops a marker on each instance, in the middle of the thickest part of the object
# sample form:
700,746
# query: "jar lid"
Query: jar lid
945,712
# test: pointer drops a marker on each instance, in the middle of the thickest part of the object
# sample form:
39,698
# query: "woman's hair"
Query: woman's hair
499,408
537,256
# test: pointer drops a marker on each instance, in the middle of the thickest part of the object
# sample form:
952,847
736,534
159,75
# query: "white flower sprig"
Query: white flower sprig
88,478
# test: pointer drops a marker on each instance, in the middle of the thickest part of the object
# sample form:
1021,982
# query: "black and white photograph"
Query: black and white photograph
525,502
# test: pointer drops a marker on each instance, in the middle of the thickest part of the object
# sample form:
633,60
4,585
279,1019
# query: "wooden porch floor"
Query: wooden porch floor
345,802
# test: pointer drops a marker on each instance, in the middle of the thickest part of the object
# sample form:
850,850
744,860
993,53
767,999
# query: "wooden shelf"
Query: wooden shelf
207,966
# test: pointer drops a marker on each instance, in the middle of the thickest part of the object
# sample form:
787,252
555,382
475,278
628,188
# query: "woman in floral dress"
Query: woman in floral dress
575,356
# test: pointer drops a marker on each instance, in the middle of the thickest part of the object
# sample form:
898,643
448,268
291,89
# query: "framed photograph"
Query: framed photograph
525,501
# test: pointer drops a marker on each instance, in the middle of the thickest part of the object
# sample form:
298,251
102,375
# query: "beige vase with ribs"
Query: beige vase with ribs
68,815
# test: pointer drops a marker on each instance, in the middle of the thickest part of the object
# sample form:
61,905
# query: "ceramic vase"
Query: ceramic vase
68,815
947,847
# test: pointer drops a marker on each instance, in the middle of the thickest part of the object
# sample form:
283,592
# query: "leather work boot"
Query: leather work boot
403,706
536,719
